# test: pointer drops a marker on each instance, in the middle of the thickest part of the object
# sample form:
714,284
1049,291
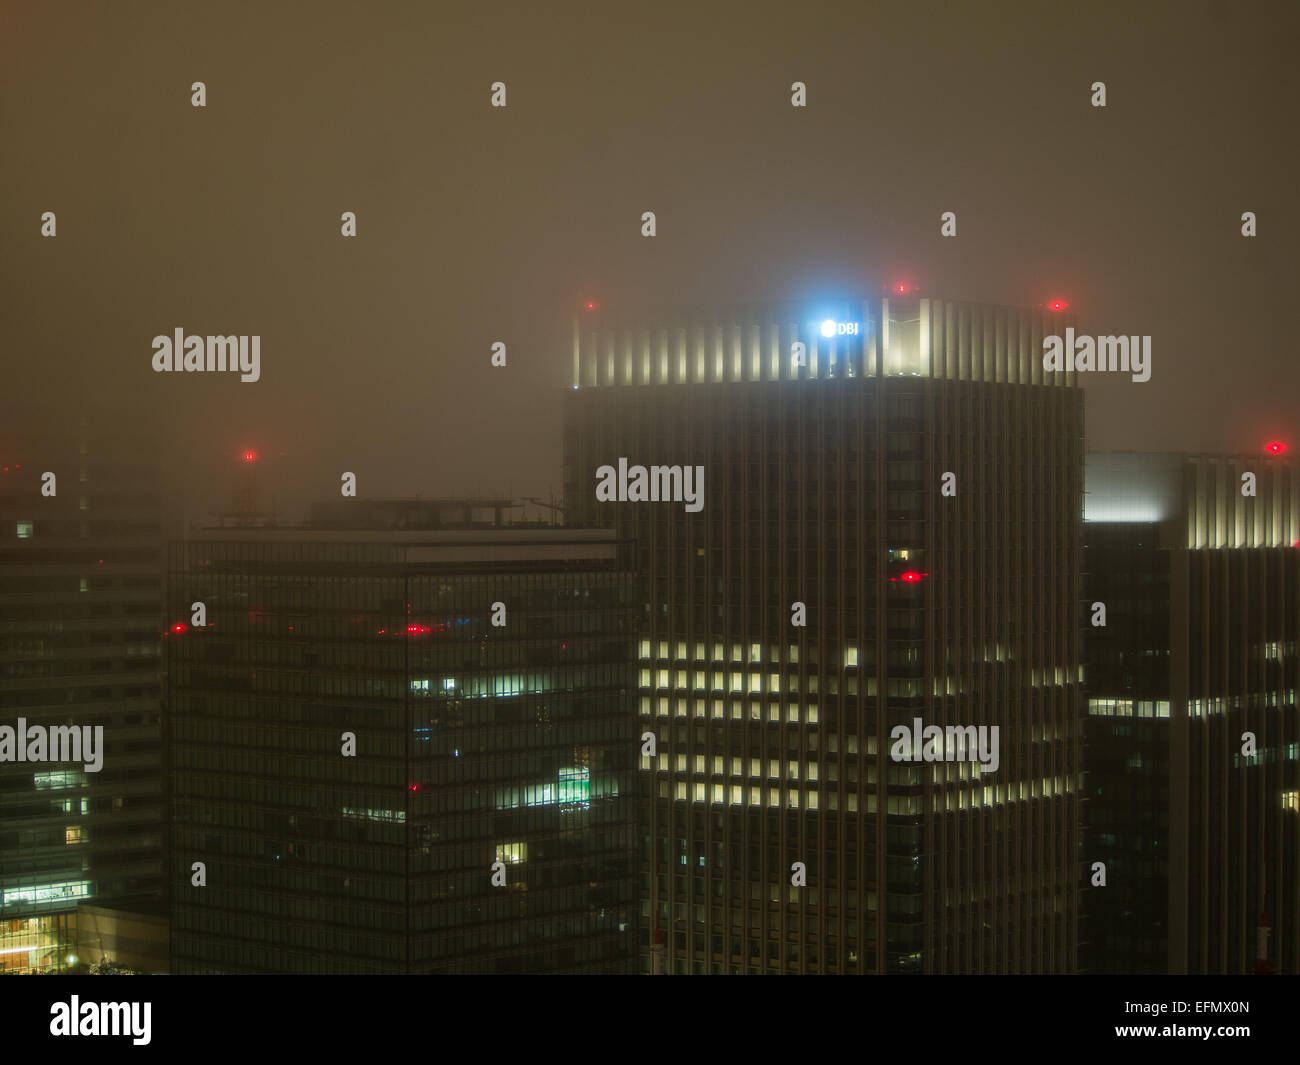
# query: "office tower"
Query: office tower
826,436
80,615
374,723
1200,586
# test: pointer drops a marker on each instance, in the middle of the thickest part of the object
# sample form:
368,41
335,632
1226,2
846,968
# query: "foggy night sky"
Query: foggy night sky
478,224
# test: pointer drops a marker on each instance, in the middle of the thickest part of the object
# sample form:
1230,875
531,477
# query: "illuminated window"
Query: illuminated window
850,657
512,852
59,778
72,835
25,529
1291,800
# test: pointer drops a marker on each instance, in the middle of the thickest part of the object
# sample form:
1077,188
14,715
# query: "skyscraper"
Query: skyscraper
888,537
401,750
1193,742
82,526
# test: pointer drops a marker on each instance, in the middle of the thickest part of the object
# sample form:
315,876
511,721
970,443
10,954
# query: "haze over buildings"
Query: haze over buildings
827,592
706,344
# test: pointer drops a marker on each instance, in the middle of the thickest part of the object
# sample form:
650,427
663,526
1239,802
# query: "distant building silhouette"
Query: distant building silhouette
1201,588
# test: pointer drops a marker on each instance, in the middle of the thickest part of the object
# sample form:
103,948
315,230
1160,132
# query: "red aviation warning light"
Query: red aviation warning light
179,627
910,576
1058,305
249,456
1275,447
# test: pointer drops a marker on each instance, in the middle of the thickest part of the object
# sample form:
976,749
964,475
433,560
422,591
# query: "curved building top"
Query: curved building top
817,340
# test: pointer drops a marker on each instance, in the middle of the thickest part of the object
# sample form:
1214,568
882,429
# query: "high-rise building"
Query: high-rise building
81,802
1192,740
402,750
854,516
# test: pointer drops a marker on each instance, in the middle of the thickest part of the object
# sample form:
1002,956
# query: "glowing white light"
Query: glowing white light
831,328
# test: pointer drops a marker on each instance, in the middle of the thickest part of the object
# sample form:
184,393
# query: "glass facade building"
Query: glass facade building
1125,924
80,621
905,474
402,752
1193,736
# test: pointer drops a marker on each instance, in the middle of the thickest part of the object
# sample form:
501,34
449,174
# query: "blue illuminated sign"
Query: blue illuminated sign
832,328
